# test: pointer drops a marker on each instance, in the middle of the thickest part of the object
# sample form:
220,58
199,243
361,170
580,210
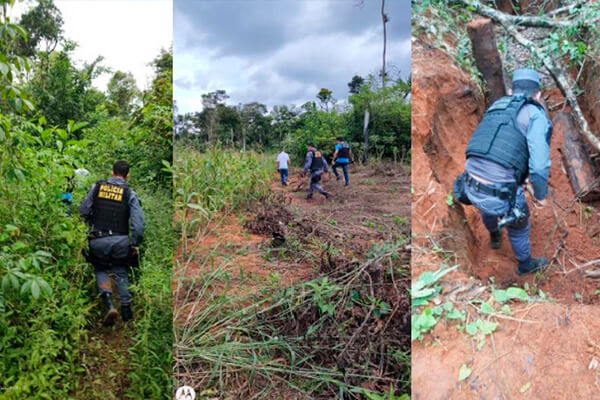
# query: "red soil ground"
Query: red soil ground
373,209
446,109
553,349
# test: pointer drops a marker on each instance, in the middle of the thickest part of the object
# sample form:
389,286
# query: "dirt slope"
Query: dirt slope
448,109
553,352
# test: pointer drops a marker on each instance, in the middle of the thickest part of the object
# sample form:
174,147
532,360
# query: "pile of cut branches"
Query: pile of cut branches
342,334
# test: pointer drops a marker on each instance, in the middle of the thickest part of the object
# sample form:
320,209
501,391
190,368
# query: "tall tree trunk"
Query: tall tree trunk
243,138
210,131
487,57
366,136
384,21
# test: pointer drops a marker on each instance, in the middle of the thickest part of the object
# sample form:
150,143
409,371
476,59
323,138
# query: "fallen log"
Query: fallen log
591,94
523,20
580,170
487,58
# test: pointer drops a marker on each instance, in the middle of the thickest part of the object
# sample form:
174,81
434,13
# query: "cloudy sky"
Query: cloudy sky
128,33
282,51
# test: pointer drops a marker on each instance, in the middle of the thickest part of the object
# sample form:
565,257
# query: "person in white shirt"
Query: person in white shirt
283,160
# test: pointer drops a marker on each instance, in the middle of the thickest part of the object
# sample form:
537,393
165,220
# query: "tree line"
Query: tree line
254,125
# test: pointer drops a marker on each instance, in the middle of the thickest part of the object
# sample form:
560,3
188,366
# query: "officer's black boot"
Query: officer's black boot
531,265
111,313
495,239
126,313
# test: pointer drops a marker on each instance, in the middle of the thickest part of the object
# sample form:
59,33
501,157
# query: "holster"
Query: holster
459,189
516,218
106,262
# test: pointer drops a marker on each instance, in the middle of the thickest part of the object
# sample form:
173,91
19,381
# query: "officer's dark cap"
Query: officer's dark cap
121,168
526,81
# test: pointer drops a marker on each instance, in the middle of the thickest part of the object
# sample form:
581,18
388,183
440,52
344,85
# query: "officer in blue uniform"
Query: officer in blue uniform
113,212
317,165
511,144
341,158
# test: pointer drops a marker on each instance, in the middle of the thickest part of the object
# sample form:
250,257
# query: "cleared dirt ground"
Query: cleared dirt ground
320,238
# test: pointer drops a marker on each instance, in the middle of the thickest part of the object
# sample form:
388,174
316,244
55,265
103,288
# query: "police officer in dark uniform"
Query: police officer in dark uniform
110,208
317,165
509,146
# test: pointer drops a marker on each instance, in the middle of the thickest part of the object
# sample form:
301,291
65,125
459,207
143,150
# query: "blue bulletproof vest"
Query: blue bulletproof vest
344,152
498,138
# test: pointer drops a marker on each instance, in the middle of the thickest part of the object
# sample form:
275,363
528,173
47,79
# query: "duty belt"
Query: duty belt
506,192
101,234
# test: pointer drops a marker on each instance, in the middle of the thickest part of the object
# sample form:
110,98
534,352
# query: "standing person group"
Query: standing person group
317,165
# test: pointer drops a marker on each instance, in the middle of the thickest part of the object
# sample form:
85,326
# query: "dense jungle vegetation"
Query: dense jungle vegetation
53,121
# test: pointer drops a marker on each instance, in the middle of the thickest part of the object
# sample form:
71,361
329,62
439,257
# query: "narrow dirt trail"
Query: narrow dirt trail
374,207
106,362
544,350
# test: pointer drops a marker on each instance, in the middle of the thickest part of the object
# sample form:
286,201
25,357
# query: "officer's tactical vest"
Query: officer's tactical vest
317,160
111,208
498,138
344,152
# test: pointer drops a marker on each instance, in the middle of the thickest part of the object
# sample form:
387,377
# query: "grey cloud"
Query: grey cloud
281,52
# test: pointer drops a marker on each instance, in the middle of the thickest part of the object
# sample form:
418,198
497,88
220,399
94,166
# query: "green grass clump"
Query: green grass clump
214,181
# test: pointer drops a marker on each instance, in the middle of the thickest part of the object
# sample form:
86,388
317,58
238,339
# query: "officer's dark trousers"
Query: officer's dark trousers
117,247
313,184
344,170
121,282
283,174
492,208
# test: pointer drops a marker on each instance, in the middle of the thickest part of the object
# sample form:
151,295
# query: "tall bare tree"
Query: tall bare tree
384,20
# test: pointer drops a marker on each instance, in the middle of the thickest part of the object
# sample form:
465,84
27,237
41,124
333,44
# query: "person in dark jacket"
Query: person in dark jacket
510,147
317,165
116,220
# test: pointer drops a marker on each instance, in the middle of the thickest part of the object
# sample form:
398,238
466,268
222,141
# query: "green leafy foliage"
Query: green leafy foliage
47,291
217,180
464,372
369,395
479,329
424,289
512,293
426,286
